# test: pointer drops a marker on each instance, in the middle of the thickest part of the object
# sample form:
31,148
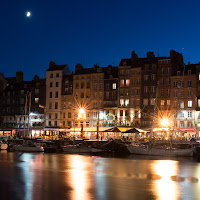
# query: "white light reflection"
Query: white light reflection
79,178
165,188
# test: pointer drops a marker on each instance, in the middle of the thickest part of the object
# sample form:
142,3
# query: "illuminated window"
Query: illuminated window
127,102
121,83
121,102
114,86
162,102
181,124
168,102
152,101
189,83
36,100
127,82
182,104
145,89
189,104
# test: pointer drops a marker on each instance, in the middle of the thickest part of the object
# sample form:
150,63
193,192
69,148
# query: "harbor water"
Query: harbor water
83,177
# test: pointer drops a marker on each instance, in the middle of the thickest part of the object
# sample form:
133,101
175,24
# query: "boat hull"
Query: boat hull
27,148
160,152
75,149
3,146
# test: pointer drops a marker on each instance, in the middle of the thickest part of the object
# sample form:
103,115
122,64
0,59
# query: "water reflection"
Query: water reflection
165,188
78,176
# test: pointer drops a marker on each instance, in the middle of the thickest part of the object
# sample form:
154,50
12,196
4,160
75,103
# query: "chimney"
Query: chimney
134,56
78,67
150,55
51,64
19,76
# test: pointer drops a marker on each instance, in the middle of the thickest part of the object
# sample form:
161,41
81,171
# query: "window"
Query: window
168,80
127,72
145,102
122,72
181,124
127,82
50,105
50,95
51,84
56,84
126,113
168,70
189,83
162,71
152,89
145,89
36,91
56,105
95,114
121,102
138,91
82,95
114,86
36,100
189,93
82,85
63,115
175,93
100,86
76,85
127,102
100,95
181,114
51,75
56,116
189,104
162,92
69,115
56,95
182,104
55,123
168,92
146,67
162,102
189,71
121,113
63,123
162,81
152,101
49,115
178,73
182,83
190,114
146,77
153,77
107,94
168,102
88,85
121,83
49,123
57,74
95,86
175,83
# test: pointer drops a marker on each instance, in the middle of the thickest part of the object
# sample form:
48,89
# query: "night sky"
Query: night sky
90,32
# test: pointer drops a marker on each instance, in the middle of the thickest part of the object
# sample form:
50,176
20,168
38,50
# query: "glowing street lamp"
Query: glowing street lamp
81,113
165,122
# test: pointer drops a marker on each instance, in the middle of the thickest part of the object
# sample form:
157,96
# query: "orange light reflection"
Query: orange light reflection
165,188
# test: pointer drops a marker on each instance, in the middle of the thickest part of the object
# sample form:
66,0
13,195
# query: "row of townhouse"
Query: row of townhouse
139,92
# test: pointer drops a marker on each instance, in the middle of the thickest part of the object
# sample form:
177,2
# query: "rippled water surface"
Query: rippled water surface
79,177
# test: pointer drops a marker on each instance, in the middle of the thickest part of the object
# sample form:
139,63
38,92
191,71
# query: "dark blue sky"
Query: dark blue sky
90,32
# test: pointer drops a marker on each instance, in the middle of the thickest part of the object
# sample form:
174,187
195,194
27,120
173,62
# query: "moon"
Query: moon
28,14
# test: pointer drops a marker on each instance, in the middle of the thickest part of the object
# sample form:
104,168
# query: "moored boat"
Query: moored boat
28,148
161,150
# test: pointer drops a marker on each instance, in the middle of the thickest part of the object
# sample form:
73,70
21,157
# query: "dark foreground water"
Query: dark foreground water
81,177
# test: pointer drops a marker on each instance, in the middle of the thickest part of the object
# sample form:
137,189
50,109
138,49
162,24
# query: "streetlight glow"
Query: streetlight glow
81,110
165,122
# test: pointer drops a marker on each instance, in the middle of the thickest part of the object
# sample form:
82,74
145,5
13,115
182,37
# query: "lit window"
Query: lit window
127,102
36,100
189,104
182,104
168,102
121,102
162,102
114,86
152,101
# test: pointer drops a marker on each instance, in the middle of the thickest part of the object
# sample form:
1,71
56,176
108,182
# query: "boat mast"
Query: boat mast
25,115
29,109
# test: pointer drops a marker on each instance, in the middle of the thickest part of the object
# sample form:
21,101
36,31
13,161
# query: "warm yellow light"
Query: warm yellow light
165,122
81,110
